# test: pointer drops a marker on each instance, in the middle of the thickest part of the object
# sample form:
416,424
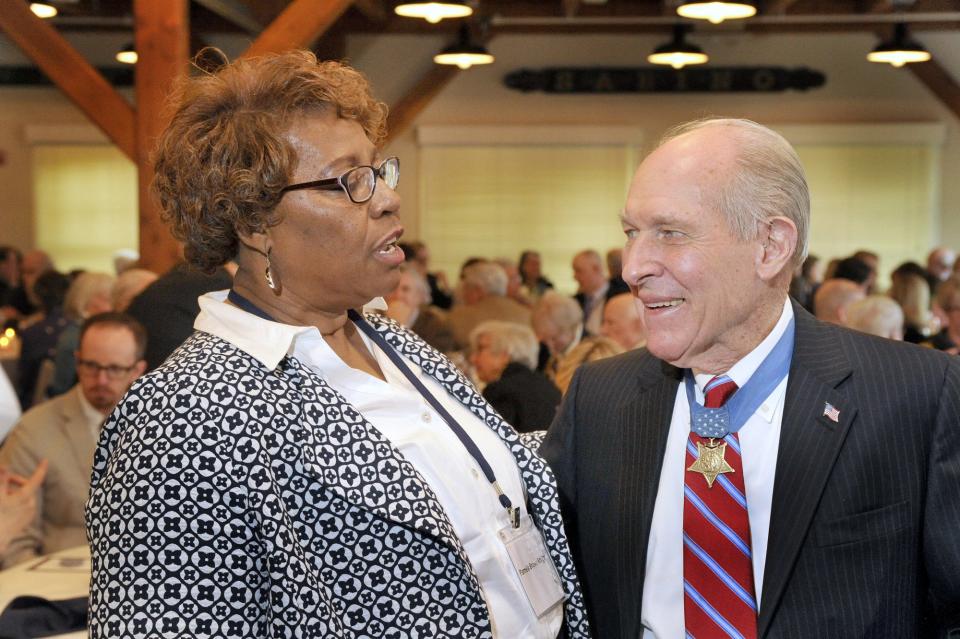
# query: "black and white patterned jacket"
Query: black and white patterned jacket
229,500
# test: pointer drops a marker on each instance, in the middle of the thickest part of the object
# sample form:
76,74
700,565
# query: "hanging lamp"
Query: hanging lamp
464,53
678,53
433,12
43,9
717,12
900,50
127,55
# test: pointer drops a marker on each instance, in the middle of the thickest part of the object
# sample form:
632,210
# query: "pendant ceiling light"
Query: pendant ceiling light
902,49
464,53
43,9
433,12
127,55
678,53
717,12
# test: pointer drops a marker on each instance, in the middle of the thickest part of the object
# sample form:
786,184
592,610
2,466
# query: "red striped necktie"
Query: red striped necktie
719,600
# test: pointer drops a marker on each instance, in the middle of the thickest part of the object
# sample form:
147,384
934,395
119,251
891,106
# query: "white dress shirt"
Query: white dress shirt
402,415
759,441
9,405
593,318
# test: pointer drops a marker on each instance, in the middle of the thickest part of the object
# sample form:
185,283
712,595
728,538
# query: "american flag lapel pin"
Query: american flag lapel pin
831,412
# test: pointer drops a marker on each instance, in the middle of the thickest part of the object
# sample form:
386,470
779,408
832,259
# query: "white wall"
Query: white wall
856,92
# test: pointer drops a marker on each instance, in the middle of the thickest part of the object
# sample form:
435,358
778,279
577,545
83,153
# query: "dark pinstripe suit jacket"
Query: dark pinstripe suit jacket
864,536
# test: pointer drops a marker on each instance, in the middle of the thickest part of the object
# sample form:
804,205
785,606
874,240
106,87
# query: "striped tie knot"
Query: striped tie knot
718,390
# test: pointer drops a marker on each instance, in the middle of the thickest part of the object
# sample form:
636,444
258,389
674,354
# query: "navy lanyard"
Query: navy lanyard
472,448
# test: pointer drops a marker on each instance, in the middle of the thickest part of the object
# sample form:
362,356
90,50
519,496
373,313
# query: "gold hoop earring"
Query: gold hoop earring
268,275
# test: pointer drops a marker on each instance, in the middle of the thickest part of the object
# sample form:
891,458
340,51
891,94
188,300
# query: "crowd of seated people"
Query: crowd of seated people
85,337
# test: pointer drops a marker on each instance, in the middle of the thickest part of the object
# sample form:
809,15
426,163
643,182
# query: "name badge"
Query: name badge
533,564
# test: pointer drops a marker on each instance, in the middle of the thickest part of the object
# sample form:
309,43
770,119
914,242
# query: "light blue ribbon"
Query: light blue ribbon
729,418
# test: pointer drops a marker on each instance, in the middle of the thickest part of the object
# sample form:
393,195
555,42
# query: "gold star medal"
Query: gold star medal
710,461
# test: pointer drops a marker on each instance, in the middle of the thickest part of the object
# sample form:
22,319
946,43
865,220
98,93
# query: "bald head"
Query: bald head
833,297
877,315
622,322
940,262
588,271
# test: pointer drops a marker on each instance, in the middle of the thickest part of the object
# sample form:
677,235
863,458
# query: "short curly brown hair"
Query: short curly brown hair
222,162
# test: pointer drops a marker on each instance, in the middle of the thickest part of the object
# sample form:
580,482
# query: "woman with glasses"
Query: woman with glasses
298,468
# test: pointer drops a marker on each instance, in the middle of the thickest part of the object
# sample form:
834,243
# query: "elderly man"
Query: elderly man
878,315
833,297
592,287
754,472
940,263
65,429
622,322
558,322
484,294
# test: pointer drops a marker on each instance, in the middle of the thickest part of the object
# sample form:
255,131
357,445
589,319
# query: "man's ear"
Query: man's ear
779,240
140,367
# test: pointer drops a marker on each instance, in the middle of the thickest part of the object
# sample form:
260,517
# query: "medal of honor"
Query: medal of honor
710,461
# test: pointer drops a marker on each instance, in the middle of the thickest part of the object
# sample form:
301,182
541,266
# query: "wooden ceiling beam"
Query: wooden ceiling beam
298,26
162,39
373,10
234,12
940,82
71,73
405,110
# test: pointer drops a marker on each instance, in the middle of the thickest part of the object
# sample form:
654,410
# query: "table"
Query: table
64,574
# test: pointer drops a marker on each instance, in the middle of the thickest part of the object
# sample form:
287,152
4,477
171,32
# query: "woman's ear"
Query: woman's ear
255,241
779,241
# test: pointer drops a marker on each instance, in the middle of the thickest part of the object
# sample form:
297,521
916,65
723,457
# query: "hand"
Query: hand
18,502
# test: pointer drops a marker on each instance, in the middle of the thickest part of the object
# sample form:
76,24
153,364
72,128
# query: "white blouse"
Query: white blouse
402,415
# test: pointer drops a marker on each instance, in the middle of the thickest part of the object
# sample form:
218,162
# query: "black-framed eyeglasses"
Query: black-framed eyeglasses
113,371
359,183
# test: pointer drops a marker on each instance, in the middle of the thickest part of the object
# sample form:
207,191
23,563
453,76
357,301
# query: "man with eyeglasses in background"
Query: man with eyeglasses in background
65,429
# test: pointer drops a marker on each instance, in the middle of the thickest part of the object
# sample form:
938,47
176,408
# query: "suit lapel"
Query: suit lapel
810,441
643,427
76,432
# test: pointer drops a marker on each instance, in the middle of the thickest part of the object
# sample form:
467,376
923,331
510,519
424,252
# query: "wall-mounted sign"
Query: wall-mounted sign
656,80
31,76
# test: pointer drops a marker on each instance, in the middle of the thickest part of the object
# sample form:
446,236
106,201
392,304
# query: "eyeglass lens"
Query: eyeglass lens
93,368
362,181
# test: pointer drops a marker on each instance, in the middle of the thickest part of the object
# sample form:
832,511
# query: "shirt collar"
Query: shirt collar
747,365
90,413
264,340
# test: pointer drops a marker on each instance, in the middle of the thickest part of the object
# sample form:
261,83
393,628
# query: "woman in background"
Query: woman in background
590,349
504,356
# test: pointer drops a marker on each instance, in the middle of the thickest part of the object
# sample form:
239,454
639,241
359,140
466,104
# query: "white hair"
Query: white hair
515,340
84,289
487,276
770,181
129,284
877,315
559,310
